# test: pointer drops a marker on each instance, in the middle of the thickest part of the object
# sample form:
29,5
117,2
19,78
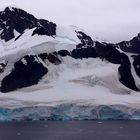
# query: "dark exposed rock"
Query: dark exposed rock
27,72
49,27
86,41
108,52
7,34
63,53
125,73
126,77
132,46
125,60
85,49
136,64
43,56
45,28
53,59
39,31
80,53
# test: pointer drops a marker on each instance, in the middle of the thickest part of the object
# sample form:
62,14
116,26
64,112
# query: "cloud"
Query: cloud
113,20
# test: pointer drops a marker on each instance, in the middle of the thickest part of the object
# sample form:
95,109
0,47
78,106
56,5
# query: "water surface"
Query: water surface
70,130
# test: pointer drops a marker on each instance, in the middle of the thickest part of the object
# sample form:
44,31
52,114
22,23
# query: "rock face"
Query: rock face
13,19
136,64
132,46
108,52
84,49
29,68
26,72
86,41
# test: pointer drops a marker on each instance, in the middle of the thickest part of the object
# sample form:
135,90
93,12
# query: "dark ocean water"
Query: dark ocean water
70,130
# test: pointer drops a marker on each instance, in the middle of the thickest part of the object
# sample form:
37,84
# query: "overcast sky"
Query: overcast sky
112,20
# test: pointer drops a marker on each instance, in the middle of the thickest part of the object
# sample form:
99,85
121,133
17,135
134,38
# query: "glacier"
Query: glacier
70,111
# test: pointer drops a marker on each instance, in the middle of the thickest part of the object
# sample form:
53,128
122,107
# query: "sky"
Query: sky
111,20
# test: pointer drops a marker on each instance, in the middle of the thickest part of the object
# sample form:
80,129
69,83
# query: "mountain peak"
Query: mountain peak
8,11
10,8
15,19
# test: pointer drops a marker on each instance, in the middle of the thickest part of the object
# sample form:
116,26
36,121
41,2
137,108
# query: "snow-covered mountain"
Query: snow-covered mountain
29,44
39,56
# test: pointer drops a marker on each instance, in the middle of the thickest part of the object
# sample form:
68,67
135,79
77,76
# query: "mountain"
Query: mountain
55,72
32,49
